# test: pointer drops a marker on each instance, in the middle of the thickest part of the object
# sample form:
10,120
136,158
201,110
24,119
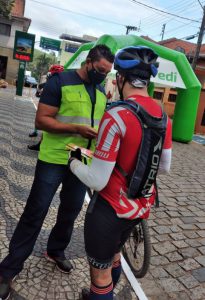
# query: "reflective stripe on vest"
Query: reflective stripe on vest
76,120
75,108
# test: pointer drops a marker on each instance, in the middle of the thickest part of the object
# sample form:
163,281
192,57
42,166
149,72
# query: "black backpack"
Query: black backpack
147,164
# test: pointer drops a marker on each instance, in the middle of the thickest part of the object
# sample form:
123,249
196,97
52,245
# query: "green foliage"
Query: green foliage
41,63
6,7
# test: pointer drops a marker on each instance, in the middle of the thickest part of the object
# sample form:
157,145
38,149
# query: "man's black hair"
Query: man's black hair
101,51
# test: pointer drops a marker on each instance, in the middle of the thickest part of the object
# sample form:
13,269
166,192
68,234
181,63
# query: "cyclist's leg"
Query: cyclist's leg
116,269
102,237
116,266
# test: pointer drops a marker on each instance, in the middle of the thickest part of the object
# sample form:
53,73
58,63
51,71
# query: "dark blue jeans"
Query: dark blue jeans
47,179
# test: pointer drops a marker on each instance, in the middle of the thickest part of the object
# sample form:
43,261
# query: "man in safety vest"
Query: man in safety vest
112,214
70,109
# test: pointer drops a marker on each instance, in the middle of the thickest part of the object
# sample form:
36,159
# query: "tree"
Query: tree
41,64
6,7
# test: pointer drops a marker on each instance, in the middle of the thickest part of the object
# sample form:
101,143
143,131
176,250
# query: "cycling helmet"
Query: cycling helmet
136,62
56,69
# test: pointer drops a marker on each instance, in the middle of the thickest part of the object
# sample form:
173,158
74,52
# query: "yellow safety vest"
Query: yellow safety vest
76,108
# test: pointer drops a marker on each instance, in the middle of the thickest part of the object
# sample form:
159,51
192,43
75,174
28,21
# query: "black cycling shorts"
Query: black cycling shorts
105,233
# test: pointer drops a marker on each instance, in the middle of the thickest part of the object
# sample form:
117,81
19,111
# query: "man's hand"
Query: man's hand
87,132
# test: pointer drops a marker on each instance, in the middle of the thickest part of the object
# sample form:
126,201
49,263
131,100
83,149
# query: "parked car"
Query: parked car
30,81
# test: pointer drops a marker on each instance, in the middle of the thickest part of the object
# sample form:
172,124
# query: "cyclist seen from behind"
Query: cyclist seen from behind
124,167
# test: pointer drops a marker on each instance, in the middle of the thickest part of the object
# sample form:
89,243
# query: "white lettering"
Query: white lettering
153,169
152,174
155,160
159,145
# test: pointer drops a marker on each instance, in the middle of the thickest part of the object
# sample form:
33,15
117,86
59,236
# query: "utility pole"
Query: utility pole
129,28
199,42
163,30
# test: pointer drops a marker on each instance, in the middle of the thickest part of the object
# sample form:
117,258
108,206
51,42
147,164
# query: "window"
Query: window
5,29
203,119
71,48
158,95
172,98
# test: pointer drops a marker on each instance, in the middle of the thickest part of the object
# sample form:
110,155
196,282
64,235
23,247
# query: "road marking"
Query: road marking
133,281
34,103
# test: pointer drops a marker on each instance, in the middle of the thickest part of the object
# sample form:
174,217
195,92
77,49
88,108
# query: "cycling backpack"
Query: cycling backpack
147,164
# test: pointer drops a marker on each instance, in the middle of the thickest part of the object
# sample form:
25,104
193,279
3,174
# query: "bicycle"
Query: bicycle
137,249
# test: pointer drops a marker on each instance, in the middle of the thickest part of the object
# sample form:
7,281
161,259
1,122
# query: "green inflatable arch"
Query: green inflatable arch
174,71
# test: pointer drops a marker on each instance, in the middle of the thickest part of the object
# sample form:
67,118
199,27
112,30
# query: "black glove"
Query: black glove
74,155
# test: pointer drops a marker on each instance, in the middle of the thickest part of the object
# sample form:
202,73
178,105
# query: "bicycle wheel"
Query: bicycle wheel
137,249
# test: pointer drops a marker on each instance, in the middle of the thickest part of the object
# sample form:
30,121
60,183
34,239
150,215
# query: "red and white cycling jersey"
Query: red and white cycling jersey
119,140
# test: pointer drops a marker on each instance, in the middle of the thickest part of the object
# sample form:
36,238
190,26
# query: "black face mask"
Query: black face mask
95,77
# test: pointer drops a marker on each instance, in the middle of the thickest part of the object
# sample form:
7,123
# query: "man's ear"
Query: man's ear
88,60
121,79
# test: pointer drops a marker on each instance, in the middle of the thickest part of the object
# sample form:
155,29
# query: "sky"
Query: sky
51,18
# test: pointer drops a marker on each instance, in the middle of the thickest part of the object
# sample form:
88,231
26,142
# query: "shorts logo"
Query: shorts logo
98,265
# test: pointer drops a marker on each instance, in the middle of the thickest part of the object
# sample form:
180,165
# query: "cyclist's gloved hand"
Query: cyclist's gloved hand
75,155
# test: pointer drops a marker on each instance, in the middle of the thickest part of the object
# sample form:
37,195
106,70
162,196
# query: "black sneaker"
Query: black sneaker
62,264
35,147
85,294
5,288
33,134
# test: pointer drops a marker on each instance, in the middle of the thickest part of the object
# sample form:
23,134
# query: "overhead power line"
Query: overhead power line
176,8
164,12
159,19
168,31
200,4
77,13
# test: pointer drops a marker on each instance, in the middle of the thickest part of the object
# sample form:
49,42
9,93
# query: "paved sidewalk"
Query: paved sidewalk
177,227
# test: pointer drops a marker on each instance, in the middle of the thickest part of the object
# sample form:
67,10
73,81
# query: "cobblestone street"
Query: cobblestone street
177,227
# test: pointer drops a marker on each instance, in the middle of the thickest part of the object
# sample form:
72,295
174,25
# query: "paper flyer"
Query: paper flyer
84,152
